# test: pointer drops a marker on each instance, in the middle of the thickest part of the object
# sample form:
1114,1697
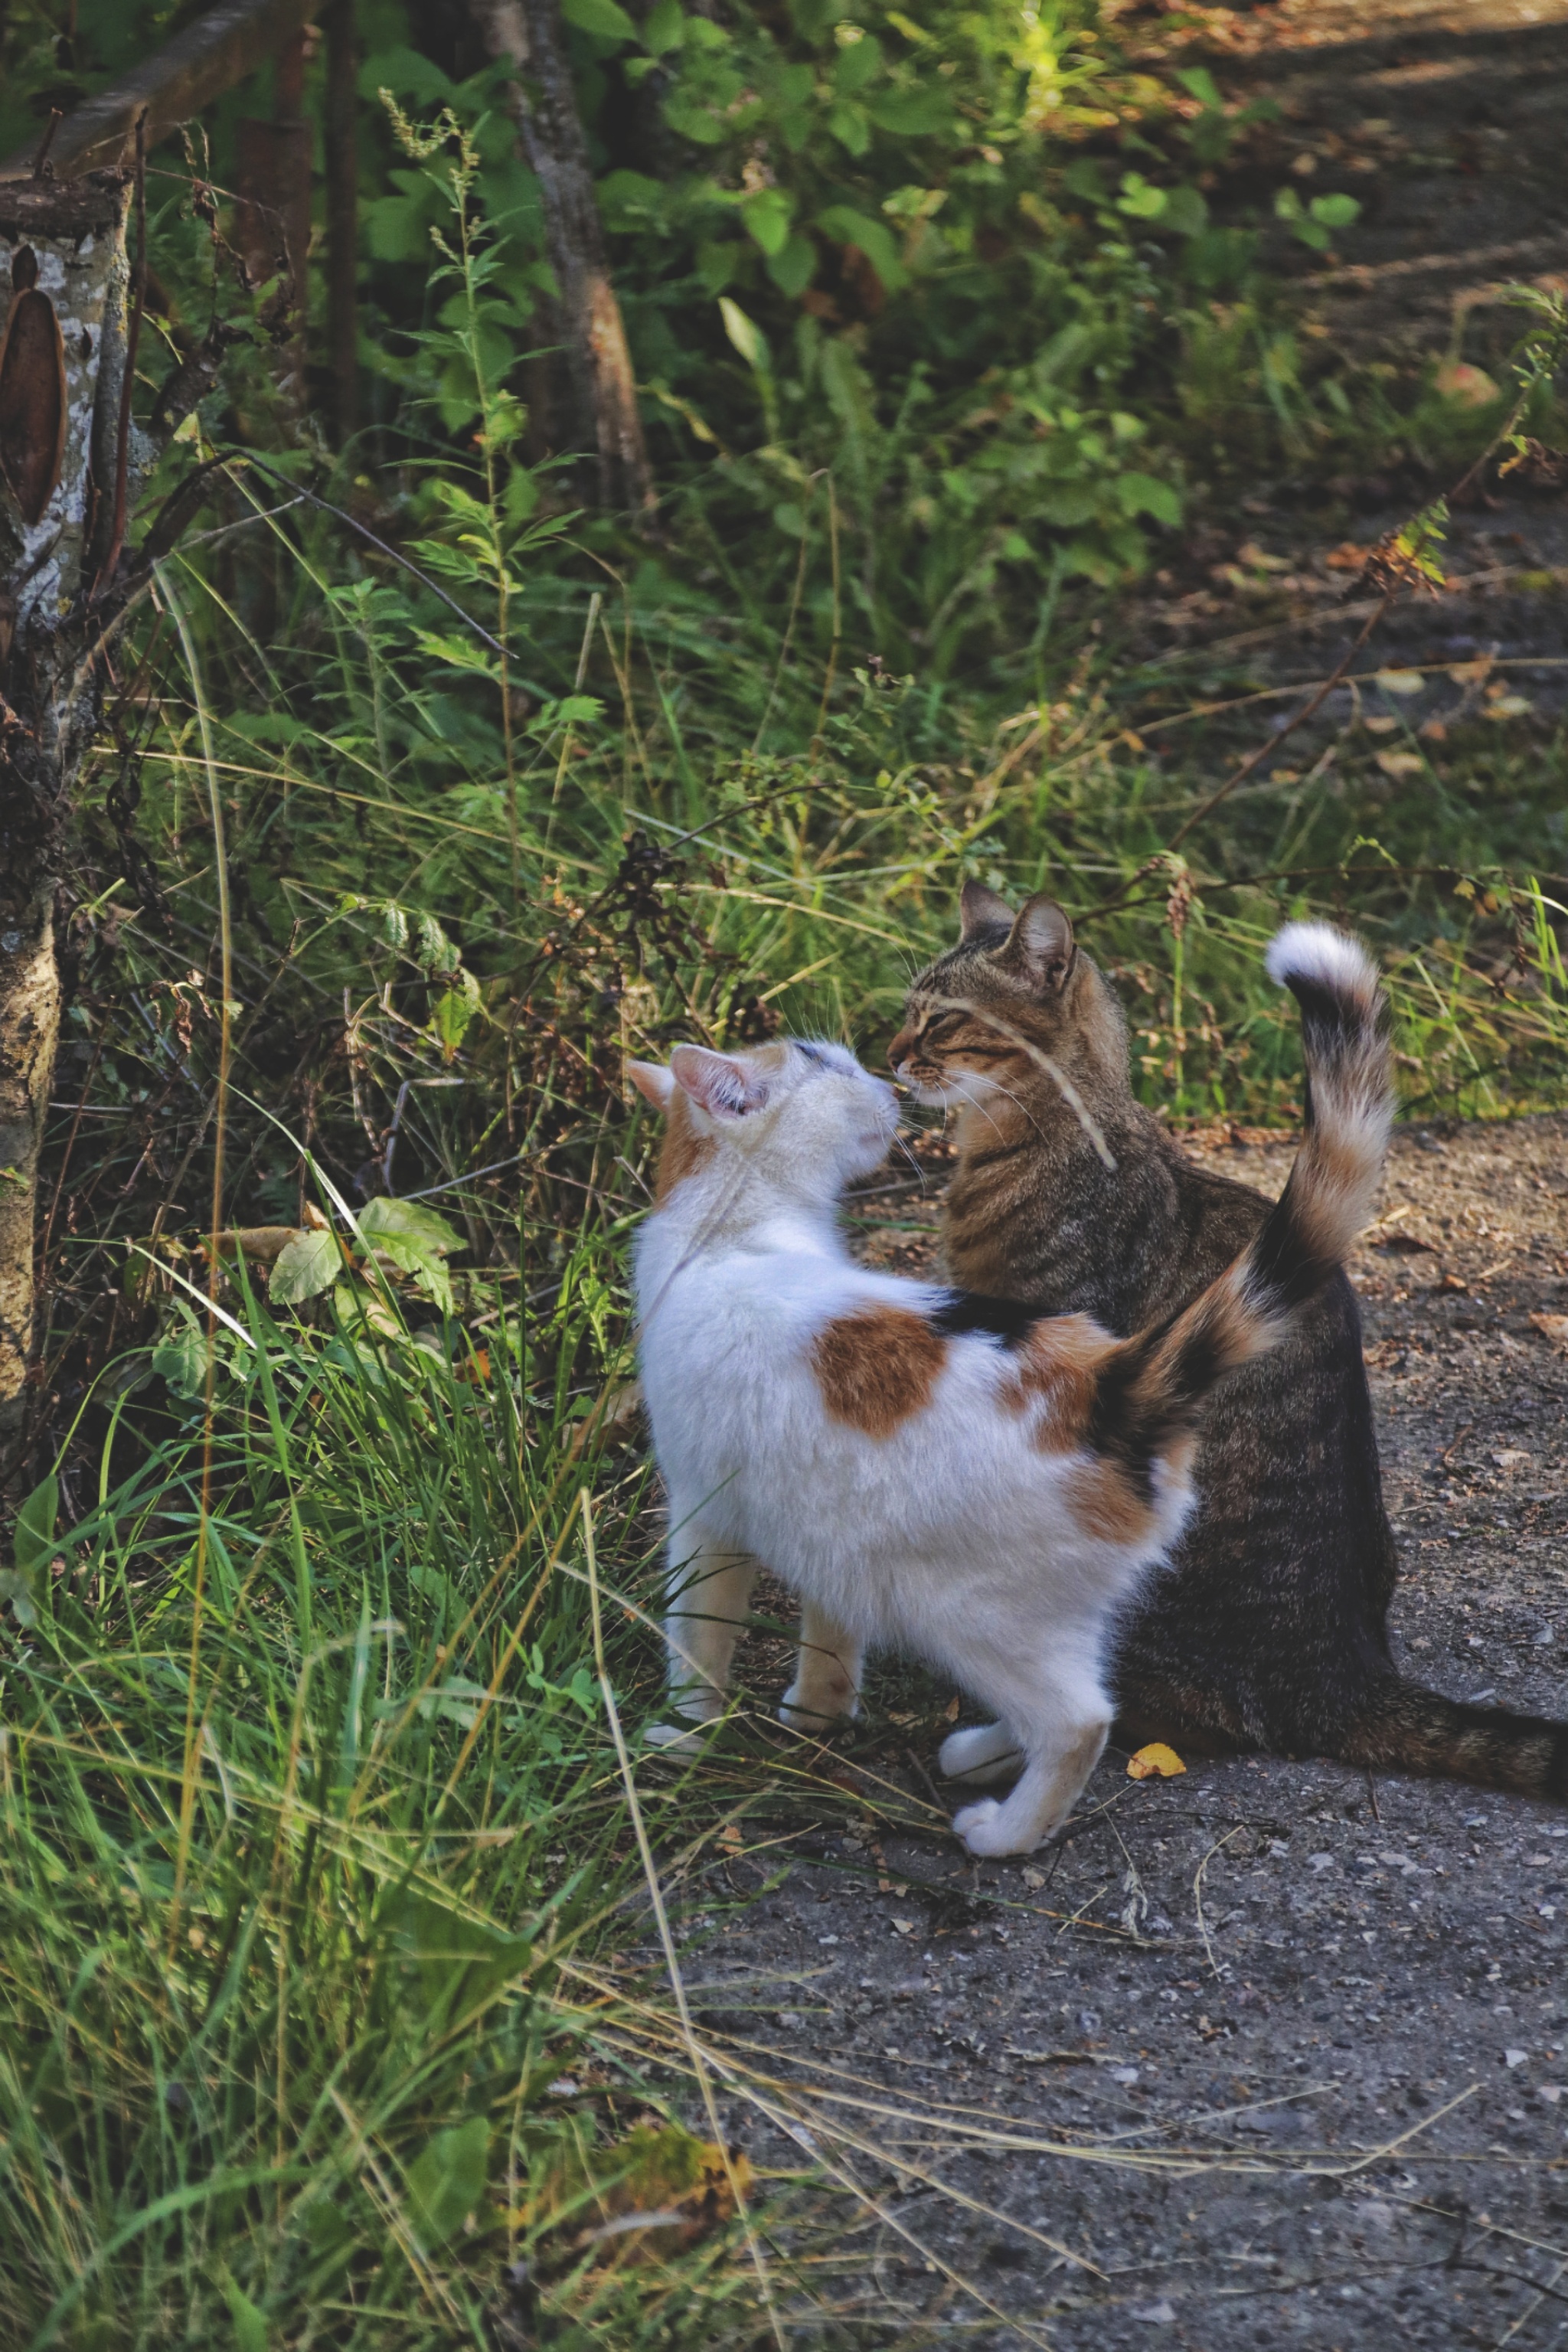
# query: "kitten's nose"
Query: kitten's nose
899,1052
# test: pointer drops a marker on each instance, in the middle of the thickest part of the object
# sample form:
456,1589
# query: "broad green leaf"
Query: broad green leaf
1186,212
16,1594
766,213
872,237
453,1011
1199,83
601,18
1139,198
1335,212
33,1543
666,27
793,270
746,336
1142,494
250,2333
443,2185
182,1356
911,113
303,1268
384,1221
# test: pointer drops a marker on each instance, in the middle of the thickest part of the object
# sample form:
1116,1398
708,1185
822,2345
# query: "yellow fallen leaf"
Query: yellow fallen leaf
1553,1327
1155,1762
1401,681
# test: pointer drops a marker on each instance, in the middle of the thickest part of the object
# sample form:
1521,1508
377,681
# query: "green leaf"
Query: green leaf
666,27
16,1594
34,1544
859,65
911,113
1185,211
1287,205
851,126
452,1014
1335,212
766,213
603,18
303,1268
443,2185
1199,83
871,236
181,1356
416,1241
384,1221
793,270
1140,197
1143,494
249,2325
746,336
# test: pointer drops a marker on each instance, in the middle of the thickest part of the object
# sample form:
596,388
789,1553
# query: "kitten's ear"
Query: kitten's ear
716,1083
981,909
652,1081
1042,945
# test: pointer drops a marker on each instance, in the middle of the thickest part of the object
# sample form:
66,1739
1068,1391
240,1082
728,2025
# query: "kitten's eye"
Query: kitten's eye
941,1026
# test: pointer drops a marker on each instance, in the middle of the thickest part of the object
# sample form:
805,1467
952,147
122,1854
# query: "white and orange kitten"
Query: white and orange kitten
929,1470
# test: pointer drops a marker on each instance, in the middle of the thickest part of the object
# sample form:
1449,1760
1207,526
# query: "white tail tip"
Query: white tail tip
1324,958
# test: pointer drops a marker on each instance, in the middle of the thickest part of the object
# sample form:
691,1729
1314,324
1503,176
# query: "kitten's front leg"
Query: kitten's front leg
1062,1719
827,1685
710,1593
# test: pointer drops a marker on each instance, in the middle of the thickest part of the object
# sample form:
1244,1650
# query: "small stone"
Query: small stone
1514,2057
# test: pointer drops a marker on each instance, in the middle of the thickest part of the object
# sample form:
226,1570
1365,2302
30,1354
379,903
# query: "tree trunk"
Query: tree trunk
527,35
62,366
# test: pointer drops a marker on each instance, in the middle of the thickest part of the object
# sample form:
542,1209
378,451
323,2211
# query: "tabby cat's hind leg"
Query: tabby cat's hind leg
981,1753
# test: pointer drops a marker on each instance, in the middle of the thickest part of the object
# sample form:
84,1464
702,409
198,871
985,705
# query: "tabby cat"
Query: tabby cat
986,1489
1267,1630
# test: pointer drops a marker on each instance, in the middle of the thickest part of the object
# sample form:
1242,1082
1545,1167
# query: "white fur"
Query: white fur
1317,952
954,1536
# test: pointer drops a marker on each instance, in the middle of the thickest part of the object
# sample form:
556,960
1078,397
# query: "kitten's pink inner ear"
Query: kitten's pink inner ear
716,1083
653,1082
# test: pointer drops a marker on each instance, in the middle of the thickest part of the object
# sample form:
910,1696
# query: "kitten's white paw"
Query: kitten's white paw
983,1829
982,1751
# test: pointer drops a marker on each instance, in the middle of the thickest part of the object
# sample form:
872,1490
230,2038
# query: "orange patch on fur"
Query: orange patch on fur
877,1367
685,1152
1108,1503
1056,1375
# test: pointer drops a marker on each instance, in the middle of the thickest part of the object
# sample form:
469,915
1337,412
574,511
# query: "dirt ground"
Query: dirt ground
1269,2054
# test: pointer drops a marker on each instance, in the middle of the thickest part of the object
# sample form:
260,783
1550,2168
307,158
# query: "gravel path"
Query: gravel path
1270,2053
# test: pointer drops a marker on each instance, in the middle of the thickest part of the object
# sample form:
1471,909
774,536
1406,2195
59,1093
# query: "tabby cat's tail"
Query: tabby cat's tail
1150,1391
1400,1727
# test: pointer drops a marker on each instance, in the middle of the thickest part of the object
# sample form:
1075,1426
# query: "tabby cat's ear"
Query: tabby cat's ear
981,909
1041,945
716,1083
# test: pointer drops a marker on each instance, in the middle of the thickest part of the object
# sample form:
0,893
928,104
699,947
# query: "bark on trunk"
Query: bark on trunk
63,277
527,35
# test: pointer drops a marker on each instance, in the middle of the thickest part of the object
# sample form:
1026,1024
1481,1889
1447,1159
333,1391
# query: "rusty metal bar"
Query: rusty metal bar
209,57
